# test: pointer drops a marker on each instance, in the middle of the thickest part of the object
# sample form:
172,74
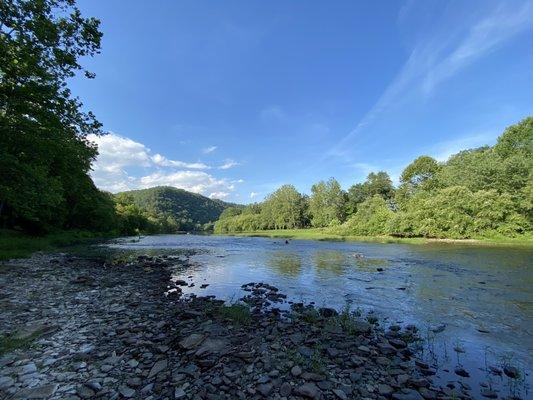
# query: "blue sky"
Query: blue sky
233,99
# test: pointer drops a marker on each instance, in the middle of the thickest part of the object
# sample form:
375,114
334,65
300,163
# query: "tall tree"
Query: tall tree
285,208
327,203
44,153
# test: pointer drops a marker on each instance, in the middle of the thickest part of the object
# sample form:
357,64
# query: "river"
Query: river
473,304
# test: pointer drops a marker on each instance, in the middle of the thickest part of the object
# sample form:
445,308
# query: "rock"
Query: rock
210,346
462,372
407,394
85,392
296,370
327,312
340,394
179,393
427,394
355,377
133,363
308,390
29,368
191,341
6,382
126,391
158,367
311,376
511,372
490,394
285,389
265,389
39,392
399,344
384,390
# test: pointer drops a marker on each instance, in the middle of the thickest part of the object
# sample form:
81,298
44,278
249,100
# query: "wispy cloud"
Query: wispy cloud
253,195
438,58
162,161
228,164
209,150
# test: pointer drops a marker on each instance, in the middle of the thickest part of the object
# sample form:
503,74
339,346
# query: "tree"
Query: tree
285,209
371,218
379,184
517,138
327,203
43,145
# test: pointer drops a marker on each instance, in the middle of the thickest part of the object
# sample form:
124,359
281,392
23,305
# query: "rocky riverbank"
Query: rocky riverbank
79,329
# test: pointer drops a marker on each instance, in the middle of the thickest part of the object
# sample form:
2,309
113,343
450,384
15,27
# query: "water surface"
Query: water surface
477,299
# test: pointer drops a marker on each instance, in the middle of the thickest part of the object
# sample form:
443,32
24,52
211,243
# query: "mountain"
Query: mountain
190,211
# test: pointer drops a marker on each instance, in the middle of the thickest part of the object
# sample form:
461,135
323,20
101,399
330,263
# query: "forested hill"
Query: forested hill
178,209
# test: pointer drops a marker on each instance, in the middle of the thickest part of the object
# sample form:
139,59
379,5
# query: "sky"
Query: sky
233,99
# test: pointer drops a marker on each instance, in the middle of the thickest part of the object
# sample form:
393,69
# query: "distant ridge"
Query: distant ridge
190,210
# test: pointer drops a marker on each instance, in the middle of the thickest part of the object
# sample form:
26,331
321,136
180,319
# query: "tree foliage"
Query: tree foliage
478,192
327,203
44,154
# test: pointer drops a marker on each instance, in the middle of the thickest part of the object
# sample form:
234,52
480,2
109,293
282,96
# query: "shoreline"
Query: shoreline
321,235
96,329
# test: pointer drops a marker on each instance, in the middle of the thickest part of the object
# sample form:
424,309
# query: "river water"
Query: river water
473,304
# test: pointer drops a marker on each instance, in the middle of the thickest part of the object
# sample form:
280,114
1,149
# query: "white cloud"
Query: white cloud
228,164
253,195
439,57
123,164
162,161
209,149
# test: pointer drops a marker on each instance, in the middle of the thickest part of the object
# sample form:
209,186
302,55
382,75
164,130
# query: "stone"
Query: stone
461,372
133,363
85,392
490,394
340,394
265,389
158,367
427,393
39,392
407,394
296,370
6,382
285,389
127,391
29,368
511,372
384,390
308,390
191,341
179,393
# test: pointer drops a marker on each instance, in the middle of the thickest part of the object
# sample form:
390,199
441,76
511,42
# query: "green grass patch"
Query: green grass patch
323,234
238,313
14,244
10,343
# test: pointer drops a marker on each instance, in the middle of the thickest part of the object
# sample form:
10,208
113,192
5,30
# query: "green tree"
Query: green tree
327,203
43,147
286,208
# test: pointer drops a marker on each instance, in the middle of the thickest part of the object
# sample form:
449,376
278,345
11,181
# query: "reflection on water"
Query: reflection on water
479,298
285,263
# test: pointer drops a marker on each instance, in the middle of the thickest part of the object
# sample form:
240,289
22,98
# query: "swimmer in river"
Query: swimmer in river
286,242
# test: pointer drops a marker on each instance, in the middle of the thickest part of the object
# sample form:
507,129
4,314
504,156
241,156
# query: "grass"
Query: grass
14,244
237,312
10,343
324,234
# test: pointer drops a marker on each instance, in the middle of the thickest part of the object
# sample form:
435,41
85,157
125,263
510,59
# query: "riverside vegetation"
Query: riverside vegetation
479,193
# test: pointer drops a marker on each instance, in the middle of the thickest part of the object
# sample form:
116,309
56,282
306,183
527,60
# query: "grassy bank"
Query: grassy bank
323,234
17,245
